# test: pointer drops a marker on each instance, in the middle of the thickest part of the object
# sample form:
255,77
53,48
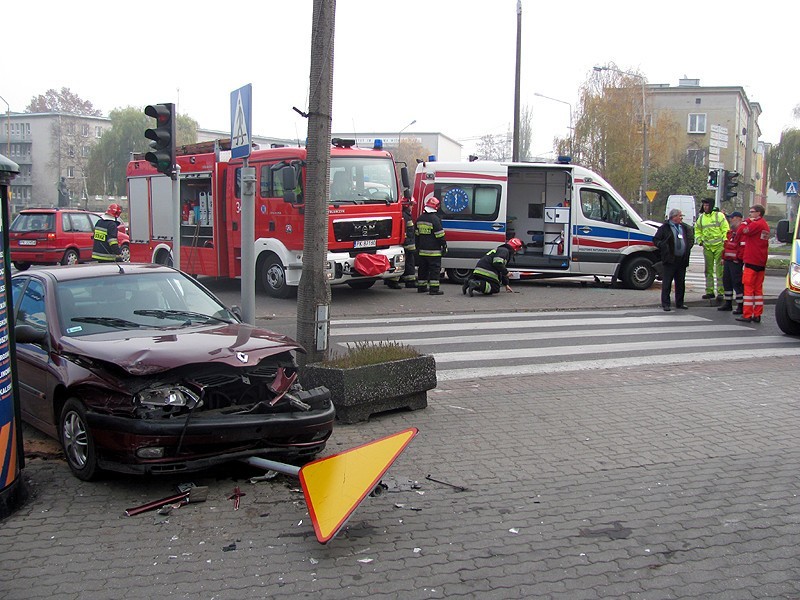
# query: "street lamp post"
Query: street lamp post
645,153
570,128
401,132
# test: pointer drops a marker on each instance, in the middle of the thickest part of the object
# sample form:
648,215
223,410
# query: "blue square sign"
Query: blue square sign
241,121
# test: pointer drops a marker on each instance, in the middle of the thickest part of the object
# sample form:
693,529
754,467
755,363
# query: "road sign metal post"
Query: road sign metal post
241,134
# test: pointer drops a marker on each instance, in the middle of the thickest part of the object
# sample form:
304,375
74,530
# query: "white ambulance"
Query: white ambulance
570,220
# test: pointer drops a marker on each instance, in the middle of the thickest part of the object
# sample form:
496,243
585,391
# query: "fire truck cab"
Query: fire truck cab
364,214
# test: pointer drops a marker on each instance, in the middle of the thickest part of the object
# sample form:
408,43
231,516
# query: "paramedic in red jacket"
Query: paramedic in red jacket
755,235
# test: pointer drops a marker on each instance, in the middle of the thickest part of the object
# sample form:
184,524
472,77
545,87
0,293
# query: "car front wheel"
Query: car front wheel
125,253
22,266
77,441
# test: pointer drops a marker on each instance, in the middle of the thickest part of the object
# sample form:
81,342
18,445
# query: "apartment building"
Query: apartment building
714,126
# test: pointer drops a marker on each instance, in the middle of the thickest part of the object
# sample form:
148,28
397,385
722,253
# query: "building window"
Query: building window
696,157
85,131
697,123
98,132
71,128
71,172
84,151
71,151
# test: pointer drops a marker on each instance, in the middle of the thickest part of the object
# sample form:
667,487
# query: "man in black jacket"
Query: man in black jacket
674,239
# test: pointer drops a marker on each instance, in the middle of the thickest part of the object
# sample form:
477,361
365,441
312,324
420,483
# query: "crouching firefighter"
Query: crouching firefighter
431,245
492,270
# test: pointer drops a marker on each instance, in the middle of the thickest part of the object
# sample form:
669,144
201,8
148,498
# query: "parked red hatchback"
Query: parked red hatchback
53,236
140,369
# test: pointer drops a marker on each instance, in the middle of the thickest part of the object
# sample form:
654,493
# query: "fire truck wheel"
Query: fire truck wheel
361,284
638,273
272,275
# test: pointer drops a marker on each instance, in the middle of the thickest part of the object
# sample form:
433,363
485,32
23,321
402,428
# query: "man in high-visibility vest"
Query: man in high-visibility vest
710,231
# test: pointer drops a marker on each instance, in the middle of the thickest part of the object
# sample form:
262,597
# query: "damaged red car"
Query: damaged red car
139,369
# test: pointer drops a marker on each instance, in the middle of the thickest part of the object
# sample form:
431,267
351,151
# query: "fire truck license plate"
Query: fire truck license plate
27,242
365,243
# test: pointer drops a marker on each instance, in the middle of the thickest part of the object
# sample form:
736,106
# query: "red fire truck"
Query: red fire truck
365,224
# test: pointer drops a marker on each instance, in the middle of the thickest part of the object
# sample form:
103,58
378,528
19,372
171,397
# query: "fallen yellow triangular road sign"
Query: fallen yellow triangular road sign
334,486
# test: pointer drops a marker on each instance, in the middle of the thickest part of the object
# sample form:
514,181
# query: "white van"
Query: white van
569,219
686,204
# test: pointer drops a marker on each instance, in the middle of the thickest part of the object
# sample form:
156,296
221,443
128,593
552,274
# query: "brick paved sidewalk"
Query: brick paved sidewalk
634,483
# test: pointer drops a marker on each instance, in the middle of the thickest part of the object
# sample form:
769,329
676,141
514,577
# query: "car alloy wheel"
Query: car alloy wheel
77,441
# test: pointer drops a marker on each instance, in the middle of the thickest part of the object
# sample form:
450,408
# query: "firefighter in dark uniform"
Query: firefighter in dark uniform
431,245
409,276
492,270
105,247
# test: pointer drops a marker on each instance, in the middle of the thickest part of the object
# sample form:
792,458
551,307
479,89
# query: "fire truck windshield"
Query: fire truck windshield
363,180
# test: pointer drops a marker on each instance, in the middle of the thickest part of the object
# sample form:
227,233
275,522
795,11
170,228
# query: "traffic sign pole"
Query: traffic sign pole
241,134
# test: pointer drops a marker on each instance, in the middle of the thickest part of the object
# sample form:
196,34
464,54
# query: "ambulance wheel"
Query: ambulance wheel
361,284
785,323
458,275
639,273
272,276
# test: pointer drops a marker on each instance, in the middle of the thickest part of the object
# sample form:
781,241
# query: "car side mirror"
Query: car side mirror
782,232
404,179
236,311
25,334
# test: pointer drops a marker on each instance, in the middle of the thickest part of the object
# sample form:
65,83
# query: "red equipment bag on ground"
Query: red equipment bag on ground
371,265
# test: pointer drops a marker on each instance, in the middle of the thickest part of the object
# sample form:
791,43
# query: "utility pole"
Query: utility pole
515,143
314,294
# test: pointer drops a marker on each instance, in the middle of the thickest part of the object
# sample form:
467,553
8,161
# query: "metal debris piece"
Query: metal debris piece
460,488
237,494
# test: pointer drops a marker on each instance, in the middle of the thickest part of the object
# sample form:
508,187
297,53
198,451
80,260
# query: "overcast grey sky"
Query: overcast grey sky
448,64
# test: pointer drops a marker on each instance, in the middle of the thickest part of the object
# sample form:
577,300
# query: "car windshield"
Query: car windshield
34,222
138,301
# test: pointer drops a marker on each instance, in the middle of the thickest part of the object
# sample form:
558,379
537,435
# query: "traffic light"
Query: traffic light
731,184
713,175
162,155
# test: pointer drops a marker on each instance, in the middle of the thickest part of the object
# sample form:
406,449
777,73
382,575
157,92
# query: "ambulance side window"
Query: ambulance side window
468,202
598,205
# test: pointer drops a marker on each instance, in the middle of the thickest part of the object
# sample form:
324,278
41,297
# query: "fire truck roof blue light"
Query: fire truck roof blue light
377,144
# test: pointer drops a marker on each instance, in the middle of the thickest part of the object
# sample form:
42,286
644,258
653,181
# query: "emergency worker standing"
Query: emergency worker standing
431,245
710,231
732,251
409,276
105,247
492,270
755,234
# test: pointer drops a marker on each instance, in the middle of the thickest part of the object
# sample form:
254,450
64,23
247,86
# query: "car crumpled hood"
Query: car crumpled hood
145,353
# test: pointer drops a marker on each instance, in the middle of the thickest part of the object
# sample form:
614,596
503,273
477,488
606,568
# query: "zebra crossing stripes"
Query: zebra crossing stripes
484,345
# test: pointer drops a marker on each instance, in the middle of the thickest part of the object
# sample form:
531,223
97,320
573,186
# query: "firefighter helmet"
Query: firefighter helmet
515,243
115,210
432,203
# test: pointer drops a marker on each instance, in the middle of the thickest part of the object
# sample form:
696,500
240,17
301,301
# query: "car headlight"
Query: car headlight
172,395
794,275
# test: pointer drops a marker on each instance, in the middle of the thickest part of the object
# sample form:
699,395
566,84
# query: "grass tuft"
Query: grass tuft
361,354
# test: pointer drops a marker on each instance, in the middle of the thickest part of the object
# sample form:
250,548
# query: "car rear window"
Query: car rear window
34,222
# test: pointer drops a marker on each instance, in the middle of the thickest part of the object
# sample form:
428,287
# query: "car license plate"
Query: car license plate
27,242
365,243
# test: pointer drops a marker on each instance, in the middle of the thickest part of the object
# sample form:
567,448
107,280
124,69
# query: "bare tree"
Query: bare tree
62,101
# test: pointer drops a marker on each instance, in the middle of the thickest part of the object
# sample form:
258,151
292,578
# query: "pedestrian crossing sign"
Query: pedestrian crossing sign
334,486
791,188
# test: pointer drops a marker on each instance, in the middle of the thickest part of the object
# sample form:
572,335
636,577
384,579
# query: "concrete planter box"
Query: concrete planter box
359,392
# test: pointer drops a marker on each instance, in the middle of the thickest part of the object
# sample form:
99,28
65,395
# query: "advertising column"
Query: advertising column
12,487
